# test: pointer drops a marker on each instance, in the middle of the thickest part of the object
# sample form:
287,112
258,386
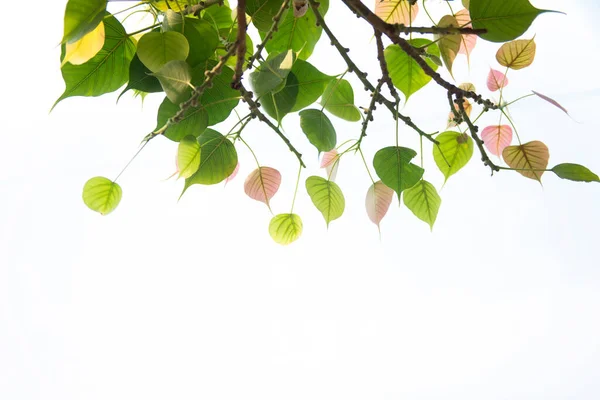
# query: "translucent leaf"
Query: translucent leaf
262,184
285,228
84,49
449,45
395,170
338,99
529,159
551,101
496,138
468,42
318,129
468,87
272,74
468,109
155,49
517,54
575,172
396,11
496,80
82,17
331,163
188,156
102,195
327,197
423,200
454,152
175,78
378,200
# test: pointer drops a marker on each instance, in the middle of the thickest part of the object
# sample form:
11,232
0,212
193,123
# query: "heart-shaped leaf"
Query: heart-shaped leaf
467,42
285,228
331,163
175,78
318,129
338,99
453,152
378,200
155,49
102,195
423,200
188,156
82,17
497,138
575,172
327,197
395,170
517,54
262,184
396,11
272,74
449,45
529,159
496,80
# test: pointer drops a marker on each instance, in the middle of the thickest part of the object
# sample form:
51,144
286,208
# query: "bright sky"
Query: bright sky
192,299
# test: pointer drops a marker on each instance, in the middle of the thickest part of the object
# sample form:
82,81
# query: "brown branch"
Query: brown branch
437,30
385,74
241,44
369,112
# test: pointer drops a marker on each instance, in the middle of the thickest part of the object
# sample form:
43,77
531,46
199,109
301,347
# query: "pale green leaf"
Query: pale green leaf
285,228
454,151
175,78
101,194
327,197
155,49
188,156
423,200
338,99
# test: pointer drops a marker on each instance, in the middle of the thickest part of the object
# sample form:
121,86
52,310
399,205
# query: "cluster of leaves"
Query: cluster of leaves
197,53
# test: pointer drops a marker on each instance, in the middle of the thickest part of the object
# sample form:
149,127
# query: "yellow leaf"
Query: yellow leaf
86,48
396,11
529,159
517,54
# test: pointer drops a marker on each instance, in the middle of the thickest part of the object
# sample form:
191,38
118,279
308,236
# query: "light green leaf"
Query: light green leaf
262,12
395,170
194,122
106,71
82,17
311,84
423,200
272,74
327,197
449,45
285,228
453,152
318,129
575,172
504,20
406,74
102,195
188,156
155,49
220,99
338,99
220,18
175,78
219,159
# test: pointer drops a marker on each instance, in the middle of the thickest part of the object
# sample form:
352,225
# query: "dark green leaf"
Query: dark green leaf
272,74
575,172
395,170
220,99
262,12
195,121
311,84
318,129
277,105
202,38
140,78
82,17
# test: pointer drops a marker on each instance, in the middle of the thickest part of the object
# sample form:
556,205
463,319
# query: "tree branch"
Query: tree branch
241,44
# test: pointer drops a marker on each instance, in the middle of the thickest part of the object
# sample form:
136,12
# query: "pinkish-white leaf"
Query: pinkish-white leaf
551,101
497,138
331,162
379,198
468,42
496,80
233,174
262,184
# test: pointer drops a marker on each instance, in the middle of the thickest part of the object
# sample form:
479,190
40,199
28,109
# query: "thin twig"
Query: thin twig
269,35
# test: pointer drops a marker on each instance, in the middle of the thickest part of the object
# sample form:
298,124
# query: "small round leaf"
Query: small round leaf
102,195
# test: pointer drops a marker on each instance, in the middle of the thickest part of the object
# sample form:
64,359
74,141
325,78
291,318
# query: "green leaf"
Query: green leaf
423,200
277,105
106,71
82,17
262,12
271,74
575,172
220,99
203,40
449,45
102,195
395,170
311,84
318,129
188,156
285,228
194,122
453,152
219,159
230,39
406,74
175,78
338,99
504,20
297,34
140,78
155,49
327,197
220,18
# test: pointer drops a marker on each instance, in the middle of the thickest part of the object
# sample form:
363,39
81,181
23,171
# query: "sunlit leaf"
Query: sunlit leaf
496,80
423,200
449,45
395,170
155,49
84,49
194,121
101,194
517,54
338,99
262,184
467,42
529,159
378,200
318,129
311,84
272,74
175,78
327,197
575,172
454,151
496,138
396,11
82,17
331,162
285,228
188,156
203,40
551,101
468,87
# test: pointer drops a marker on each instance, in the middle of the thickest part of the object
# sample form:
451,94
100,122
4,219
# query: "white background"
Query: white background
191,299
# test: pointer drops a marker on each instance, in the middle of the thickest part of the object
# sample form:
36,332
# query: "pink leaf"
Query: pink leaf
497,138
379,198
233,174
262,184
331,162
496,80
468,42
551,101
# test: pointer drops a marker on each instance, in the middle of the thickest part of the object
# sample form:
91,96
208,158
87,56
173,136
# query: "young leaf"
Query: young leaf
188,156
575,172
272,74
529,159
102,195
454,152
338,99
396,11
517,54
155,49
327,197
285,228
467,42
551,101
496,138
318,129
331,163
406,74
262,184
449,45
378,200
451,116
175,78
194,121
504,20
467,86
395,170
496,80
423,200
82,17
84,49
